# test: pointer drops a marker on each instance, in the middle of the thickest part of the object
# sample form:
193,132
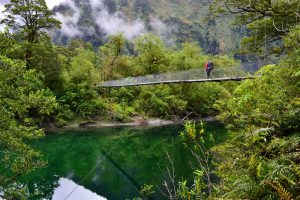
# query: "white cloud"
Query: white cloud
158,26
113,24
52,3
2,16
2,2
109,23
69,23
1,11
97,4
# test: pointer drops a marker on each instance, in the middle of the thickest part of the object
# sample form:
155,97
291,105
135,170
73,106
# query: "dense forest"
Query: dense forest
175,22
49,78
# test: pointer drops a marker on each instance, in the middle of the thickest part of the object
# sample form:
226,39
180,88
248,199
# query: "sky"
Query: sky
1,15
52,3
65,188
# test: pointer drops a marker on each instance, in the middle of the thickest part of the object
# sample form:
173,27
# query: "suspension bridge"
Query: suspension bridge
219,74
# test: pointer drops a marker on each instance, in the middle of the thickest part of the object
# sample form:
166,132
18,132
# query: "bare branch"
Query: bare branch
280,30
267,42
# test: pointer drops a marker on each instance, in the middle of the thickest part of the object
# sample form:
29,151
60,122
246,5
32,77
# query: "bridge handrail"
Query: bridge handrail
192,74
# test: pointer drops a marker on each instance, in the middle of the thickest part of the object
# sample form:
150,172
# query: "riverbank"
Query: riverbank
136,122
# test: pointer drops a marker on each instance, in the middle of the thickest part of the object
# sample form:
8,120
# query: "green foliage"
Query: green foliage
201,98
46,59
10,47
269,101
109,55
266,150
24,101
121,112
79,94
21,95
195,138
43,57
31,17
124,95
169,101
151,54
15,192
192,134
82,69
79,44
160,102
70,75
247,169
146,190
196,191
124,67
82,100
268,21
190,56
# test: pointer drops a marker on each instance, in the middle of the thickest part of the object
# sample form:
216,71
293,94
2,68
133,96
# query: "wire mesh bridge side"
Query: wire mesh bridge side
189,76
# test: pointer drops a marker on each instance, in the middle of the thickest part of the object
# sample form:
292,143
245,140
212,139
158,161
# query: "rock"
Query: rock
87,124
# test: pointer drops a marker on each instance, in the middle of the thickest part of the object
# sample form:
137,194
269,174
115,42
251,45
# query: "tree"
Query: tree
109,54
46,59
10,47
267,111
78,43
269,21
271,100
151,54
196,140
190,56
30,19
80,94
20,96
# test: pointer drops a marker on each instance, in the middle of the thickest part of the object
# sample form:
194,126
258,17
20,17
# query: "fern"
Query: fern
296,168
283,193
258,168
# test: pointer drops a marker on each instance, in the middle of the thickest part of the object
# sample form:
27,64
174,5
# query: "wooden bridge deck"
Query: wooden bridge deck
178,82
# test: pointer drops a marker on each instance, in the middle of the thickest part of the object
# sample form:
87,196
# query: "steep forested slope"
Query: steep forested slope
173,20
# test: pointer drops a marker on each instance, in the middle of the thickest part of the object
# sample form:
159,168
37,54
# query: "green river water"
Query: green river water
136,156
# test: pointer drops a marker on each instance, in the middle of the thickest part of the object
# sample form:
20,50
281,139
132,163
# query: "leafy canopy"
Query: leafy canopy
21,97
31,17
268,20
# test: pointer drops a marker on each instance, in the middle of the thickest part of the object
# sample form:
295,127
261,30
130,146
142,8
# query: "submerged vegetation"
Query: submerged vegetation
45,83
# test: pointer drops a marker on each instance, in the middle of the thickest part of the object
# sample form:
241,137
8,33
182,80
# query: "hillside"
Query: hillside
174,21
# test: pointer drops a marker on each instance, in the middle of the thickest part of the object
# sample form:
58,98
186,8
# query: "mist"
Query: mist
2,8
52,3
113,24
2,26
160,29
69,23
108,23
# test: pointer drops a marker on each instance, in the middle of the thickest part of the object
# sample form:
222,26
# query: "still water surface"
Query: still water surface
136,156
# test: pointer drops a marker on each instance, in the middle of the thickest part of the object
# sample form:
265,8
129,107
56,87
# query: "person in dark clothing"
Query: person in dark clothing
209,66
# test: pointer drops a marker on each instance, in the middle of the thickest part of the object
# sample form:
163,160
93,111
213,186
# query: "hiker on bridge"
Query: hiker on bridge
209,66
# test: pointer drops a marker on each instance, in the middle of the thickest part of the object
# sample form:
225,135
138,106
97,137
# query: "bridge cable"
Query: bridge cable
94,168
297,16
265,42
257,59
